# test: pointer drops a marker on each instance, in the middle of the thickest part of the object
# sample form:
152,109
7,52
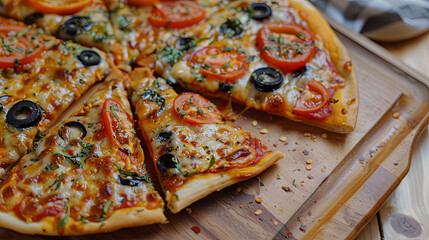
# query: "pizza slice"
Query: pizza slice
87,175
195,152
279,57
83,21
40,76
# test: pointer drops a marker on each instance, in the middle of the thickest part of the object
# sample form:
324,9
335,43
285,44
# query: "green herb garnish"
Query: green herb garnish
64,220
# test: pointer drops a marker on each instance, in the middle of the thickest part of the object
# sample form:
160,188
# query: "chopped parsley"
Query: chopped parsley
199,110
181,112
170,55
123,22
227,65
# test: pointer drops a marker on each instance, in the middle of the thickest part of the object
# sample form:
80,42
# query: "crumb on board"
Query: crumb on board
396,115
382,144
283,139
309,161
396,163
254,123
258,212
286,189
275,223
303,228
274,145
308,167
278,176
324,135
323,169
310,177
188,210
307,134
258,199
313,138
263,131
196,229
241,205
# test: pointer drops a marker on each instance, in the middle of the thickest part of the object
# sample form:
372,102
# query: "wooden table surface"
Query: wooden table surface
405,215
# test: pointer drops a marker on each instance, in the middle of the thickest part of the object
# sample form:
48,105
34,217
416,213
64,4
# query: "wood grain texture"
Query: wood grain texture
351,176
371,231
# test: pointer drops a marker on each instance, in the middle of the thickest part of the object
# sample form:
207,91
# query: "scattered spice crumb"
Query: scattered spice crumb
278,176
283,138
323,169
309,161
343,111
258,212
307,134
310,177
258,199
263,131
238,189
313,138
188,210
395,163
324,135
396,115
293,183
241,205
274,145
308,167
303,228
275,223
286,189
254,123
361,161
382,144
301,183
196,229
306,152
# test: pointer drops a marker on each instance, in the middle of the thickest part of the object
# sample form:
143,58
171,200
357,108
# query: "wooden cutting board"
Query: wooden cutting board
351,175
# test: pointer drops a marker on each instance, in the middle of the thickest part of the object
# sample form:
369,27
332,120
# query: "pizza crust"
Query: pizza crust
122,218
338,121
206,184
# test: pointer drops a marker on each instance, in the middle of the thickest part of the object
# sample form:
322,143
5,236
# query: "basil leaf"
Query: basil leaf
105,209
133,174
57,182
64,220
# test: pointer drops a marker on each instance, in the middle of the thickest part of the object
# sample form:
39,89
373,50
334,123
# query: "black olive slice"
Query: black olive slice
185,44
224,87
75,26
261,11
32,18
24,114
232,28
300,72
75,124
266,79
130,181
164,136
89,58
165,162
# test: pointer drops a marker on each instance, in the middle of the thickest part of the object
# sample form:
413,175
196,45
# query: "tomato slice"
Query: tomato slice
118,124
194,108
18,46
286,46
177,14
314,99
220,63
142,2
64,7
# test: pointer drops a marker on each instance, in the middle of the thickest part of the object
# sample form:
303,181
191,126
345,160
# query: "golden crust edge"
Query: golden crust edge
340,56
122,218
201,186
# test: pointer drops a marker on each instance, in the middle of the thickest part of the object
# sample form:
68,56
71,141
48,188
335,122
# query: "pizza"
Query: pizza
40,76
84,21
86,175
279,57
195,152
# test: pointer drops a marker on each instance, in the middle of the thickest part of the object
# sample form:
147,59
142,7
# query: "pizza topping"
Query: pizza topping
164,136
266,79
165,162
32,18
114,118
64,220
19,45
314,98
66,7
260,11
225,87
195,109
74,124
219,63
89,58
232,28
131,179
186,43
170,55
177,14
142,2
75,26
24,114
286,46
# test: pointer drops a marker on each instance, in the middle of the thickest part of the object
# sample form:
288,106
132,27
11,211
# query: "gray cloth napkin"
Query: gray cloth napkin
381,20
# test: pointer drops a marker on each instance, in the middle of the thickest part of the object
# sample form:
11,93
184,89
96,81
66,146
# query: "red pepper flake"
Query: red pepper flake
196,229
